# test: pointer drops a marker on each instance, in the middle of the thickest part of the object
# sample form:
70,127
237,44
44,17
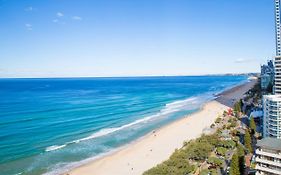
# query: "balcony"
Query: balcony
268,170
269,162
269,154
272,133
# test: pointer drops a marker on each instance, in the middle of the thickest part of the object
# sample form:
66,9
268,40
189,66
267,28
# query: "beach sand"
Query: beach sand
158,145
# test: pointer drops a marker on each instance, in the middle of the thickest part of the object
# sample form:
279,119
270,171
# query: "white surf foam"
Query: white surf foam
168,109
54,147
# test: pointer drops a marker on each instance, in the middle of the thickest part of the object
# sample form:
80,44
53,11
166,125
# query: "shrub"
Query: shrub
218,120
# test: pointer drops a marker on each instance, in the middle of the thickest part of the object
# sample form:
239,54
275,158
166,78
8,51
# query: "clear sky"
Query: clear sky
68,38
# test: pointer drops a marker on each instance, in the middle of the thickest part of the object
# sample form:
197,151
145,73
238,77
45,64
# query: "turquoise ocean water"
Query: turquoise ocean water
48,126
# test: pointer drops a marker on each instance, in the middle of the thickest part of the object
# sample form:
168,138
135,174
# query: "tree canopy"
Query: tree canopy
248,141
252,125
241,159
234,166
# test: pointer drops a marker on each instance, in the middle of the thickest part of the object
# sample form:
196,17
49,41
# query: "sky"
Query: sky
93,38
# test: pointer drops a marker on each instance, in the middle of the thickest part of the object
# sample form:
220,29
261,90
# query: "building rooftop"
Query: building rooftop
270,143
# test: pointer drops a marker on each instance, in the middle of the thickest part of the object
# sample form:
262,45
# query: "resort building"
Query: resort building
272,116
268,157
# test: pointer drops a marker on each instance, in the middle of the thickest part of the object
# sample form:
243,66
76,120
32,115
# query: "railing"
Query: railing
268,153
269,162
269,170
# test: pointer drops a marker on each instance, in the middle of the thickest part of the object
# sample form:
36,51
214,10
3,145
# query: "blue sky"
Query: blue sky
69,38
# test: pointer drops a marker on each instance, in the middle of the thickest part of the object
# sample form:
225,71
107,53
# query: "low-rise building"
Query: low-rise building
268,156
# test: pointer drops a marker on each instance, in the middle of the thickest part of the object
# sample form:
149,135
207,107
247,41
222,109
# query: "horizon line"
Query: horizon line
130,76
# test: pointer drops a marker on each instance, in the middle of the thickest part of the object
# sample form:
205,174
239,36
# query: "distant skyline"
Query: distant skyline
103,38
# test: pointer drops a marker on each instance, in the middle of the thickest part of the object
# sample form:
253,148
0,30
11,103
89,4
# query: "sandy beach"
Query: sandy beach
157,146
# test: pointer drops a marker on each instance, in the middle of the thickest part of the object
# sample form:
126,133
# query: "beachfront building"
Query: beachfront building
277,27
277,76
277,81
268,157
267,75
272,116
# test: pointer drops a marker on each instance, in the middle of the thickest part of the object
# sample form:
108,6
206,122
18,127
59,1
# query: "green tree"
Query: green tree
241,159
215,161
237,109
234,166
241,104
221,151
248,141
253,125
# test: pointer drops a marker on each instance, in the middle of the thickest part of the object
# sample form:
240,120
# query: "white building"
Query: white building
277,82
268,157
272,116
277,27
277,75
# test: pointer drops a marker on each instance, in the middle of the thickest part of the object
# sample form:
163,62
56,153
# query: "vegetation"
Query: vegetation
207,151
208,172
248,141
227,143
255,92
179,162
252,125
241,159
237,108
221,151
218,120
234,166
215,161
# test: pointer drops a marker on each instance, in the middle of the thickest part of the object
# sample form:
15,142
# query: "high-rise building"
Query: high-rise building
277,27
277,79
272,103
268,149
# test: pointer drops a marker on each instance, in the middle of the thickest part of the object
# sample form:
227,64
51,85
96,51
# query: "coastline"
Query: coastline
157,146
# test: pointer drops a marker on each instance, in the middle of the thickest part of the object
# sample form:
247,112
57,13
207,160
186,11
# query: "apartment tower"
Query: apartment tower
272,103
277,79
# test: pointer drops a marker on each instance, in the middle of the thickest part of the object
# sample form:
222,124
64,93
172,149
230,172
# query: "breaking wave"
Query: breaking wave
168,109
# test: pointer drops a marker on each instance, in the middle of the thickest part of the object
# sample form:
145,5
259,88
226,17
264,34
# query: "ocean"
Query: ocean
50,125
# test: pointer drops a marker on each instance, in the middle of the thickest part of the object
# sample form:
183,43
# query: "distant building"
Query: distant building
267,75
271,116
268,157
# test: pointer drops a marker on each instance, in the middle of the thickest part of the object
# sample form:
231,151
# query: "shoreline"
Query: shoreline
148,151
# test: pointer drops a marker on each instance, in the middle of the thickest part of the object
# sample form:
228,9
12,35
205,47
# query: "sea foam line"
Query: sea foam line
168,109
